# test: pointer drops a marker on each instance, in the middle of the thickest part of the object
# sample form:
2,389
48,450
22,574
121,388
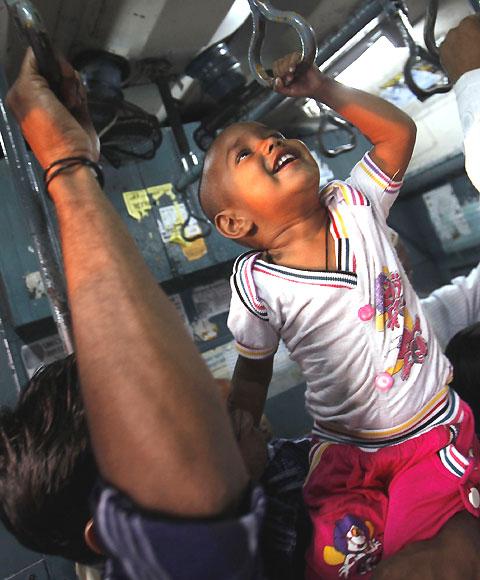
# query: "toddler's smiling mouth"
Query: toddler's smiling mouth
283,160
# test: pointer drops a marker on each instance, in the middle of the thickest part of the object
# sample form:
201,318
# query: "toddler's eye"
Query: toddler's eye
242,154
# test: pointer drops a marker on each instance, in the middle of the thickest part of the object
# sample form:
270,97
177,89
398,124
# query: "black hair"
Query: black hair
463,351
47,467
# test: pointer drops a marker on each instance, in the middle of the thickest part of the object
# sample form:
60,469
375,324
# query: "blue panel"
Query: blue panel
36,571
22,564
17,258
287,414
60,569
47,568
144,232
167,261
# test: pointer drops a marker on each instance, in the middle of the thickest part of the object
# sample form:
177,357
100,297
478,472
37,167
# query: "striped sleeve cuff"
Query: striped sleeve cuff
378,177
254,353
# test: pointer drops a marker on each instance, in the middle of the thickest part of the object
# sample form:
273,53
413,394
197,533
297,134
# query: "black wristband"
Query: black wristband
68,163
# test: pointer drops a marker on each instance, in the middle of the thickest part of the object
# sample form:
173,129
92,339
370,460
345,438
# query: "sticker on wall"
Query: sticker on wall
212,299
41,352
35,285
158,191
137,203
447,216
204,330
172,218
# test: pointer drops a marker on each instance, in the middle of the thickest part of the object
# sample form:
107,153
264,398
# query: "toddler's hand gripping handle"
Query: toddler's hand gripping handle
262,11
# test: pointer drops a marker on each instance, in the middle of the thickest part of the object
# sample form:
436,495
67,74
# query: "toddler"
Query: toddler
394,453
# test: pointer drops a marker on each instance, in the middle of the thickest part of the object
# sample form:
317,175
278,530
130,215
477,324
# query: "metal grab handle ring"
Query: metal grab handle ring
262,11
398,11
417,56
329,118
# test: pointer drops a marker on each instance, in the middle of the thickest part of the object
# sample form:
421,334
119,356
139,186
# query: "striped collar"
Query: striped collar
335,279
244,284
250,264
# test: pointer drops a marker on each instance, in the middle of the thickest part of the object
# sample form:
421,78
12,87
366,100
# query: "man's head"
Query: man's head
47,468
255,183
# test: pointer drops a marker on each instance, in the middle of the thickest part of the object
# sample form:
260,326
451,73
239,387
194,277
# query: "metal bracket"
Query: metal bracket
262,11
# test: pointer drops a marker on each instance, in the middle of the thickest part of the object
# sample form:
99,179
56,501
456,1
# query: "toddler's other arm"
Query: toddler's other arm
391,131
250,385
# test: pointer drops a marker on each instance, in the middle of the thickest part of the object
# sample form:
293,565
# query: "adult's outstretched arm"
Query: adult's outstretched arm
159,429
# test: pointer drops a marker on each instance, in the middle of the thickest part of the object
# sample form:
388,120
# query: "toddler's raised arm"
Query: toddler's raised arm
391,131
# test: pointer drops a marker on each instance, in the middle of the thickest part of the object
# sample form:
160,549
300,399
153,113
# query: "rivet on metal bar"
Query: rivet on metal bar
262,11
328,117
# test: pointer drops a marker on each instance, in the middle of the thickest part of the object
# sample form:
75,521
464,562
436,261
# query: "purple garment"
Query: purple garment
147,546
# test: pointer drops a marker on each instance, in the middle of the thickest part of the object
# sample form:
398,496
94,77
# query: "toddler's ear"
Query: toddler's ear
232,225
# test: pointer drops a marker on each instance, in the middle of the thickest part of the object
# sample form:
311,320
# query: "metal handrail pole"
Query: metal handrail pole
35,207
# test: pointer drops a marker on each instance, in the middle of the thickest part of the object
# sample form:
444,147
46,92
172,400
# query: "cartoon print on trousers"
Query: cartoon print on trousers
390,305
354,547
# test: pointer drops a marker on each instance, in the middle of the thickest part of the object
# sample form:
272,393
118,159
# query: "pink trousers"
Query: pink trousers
367,505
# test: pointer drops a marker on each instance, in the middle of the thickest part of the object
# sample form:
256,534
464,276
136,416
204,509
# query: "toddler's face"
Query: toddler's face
267,174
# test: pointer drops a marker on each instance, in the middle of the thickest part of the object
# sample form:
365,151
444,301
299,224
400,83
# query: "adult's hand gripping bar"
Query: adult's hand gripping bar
262,11
30,25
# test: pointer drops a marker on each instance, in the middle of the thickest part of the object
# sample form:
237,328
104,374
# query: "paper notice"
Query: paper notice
137,203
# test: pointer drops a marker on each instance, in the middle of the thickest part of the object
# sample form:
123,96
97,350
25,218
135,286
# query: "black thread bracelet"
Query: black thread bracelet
68,163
